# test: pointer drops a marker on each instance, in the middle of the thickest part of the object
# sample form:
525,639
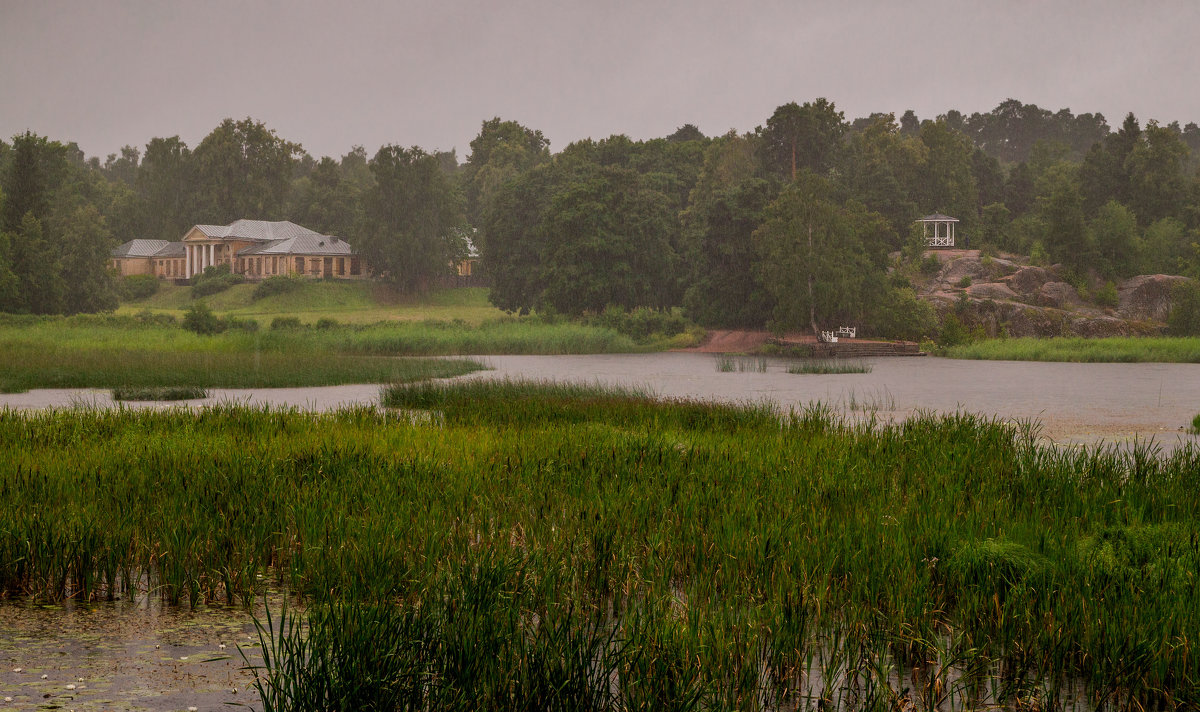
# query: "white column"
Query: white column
187,261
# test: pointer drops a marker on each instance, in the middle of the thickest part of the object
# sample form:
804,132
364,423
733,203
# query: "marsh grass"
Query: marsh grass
160,393
727,363
828,367
561,547
1108,350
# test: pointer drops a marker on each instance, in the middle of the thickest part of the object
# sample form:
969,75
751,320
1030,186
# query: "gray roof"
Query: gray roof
314,244
140,248
172,249
257,230
938,217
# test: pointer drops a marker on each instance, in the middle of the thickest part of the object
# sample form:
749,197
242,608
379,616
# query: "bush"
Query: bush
138,286
285,322
327,323
146,316
964,282
201,320
279,284
241,324
214,279
1184,319
930,265
1106,296
642,322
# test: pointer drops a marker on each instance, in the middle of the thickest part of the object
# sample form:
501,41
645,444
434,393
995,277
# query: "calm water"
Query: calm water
1074,402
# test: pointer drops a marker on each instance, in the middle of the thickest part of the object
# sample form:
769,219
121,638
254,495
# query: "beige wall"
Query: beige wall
127,266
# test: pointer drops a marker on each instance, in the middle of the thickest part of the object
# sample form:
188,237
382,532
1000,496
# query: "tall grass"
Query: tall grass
825,367
544,546
1109,350
115,351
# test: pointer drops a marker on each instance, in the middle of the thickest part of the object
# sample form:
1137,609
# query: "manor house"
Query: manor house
254,248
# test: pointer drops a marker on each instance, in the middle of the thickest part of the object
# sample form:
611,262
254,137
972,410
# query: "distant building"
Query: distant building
254,248
942,228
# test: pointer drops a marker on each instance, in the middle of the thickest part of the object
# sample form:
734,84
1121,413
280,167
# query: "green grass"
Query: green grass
727,363
1196,424
1109,350
536,546
160,393
120,352
352,302
826,367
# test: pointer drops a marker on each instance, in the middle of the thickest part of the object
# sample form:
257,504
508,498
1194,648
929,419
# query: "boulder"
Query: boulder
1096,327
979,269
1026,281
1059,295
991,290
1147,296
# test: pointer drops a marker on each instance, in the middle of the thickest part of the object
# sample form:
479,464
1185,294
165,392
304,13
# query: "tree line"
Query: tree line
786,225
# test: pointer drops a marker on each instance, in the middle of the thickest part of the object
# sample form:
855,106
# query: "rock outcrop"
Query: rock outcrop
1003,295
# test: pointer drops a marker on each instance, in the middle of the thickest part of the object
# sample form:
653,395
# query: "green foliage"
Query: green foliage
901,314
199,319
641,323
414,216
1107,296
136,287
1081,350
244,170
213,280
278,284
964,282
493,545
285,322
1196,424
324,323
953,332
1184,319
158,393
814,257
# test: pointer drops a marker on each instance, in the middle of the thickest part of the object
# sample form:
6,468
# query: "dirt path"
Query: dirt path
734,341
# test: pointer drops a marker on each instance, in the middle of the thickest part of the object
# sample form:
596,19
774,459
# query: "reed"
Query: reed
826,367
1077,349
549,546
161,393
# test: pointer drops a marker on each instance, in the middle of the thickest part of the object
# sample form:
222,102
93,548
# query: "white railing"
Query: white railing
829,337
944,241
847,331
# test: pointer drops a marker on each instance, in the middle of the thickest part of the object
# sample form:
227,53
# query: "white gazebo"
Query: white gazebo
943,230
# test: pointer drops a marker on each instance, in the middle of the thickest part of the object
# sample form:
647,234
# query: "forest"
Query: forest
793,222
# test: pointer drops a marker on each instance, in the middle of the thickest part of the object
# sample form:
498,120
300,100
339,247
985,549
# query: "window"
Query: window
299,265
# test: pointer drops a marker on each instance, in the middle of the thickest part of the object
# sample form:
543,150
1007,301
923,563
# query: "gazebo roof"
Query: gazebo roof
938,217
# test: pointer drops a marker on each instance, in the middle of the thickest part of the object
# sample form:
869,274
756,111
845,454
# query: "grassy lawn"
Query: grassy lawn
1111,350
345,301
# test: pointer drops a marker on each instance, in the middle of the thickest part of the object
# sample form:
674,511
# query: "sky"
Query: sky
332,75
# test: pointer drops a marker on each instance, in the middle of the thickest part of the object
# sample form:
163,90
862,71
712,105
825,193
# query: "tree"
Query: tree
413,219
607,242
500,151
35,169
88,285
687,132
35,262
166,186
812,259
804,137
1157,185
1114,232
1060,207
244,171
947,179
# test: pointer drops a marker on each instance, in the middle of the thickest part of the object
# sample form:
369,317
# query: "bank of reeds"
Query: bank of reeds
159,393
826,367
1076,349
542,547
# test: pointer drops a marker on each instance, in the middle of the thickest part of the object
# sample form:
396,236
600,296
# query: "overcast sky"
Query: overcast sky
331,75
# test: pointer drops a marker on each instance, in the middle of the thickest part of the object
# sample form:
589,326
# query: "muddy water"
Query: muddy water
121,655
1074,402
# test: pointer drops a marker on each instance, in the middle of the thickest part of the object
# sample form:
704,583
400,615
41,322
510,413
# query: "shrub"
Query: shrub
964,282
1106,296
642,322
285,322
327,323
201,320
138,286
279,284
1184,319
240,324
146,316
214,279
930,265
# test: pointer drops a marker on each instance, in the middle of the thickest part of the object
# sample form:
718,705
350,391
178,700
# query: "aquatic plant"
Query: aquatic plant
560,546
829,366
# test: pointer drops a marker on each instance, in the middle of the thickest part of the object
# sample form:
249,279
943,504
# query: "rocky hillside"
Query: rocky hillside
1007,295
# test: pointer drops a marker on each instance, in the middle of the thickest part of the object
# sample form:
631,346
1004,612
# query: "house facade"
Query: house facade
254,248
